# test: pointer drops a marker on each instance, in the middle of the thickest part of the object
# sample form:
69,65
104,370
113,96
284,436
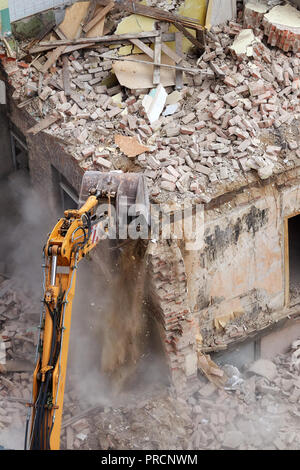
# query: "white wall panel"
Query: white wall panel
19,9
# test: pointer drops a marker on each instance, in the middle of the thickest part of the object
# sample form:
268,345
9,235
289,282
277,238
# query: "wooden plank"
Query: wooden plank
54,55
157,60
59,33
189,36
97,30
66,75
74,16
77,48
90,13
41,77
98,17
114,38
200,36
190,70
138,43
38,49
178,73
43,124
172,54
160,14
166,37
38,65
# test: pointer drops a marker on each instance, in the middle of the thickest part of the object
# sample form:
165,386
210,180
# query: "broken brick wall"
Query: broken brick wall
168,295
45,153
239,277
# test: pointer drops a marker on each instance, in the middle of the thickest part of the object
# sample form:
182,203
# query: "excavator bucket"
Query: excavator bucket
125,188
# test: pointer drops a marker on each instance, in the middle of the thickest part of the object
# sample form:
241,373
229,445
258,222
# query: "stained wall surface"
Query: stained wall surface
240,275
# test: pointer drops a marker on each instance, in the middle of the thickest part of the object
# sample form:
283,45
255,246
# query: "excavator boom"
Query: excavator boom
72,238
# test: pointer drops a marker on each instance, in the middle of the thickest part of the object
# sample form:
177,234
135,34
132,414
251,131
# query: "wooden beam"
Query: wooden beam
97,30
37,64
54,55
175,67
166,37
98,17
200,36
160,14
178,73
90,13
43,124
167,50
66,75
138,43
74,16
189,36
114,38
157,60
38,49
41,78
172,54
59,33
77,48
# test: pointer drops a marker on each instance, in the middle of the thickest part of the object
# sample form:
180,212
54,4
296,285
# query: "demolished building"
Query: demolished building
217,128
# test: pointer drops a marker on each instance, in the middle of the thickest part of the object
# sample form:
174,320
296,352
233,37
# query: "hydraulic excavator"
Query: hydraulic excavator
73,237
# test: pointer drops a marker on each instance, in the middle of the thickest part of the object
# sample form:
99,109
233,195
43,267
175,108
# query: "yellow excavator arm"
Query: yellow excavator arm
71,239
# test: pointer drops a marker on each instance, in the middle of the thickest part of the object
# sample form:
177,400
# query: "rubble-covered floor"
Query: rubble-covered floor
210,135
258,410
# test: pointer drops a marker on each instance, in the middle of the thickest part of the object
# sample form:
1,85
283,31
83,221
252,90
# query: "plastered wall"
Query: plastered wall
239,276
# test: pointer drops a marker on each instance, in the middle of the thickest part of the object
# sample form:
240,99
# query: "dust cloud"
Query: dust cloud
25,221
112,346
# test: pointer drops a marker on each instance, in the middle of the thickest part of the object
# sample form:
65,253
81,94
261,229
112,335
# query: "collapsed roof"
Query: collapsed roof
197,115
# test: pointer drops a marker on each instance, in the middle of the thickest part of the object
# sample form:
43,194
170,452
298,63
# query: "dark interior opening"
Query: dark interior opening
294,256
19,149
66,196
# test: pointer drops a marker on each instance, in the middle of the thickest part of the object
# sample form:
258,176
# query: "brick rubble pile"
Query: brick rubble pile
240,116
